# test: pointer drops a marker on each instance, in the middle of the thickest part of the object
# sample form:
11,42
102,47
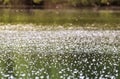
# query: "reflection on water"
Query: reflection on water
69,54
60,17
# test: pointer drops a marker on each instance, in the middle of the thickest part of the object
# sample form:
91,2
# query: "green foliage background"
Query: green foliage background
77,3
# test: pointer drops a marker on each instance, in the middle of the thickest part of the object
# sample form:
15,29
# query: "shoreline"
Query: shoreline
54,8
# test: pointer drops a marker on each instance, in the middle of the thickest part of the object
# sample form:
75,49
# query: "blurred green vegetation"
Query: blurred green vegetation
65,3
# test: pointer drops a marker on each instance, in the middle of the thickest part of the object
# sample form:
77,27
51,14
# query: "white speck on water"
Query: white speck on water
59,41
37,77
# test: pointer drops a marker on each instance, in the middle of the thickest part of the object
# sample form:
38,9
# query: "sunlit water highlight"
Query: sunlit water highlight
67,54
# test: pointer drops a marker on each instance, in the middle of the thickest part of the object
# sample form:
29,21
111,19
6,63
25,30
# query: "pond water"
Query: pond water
61,54
59,44
63,17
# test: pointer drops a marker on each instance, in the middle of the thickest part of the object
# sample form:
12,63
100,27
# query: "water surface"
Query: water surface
63,54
